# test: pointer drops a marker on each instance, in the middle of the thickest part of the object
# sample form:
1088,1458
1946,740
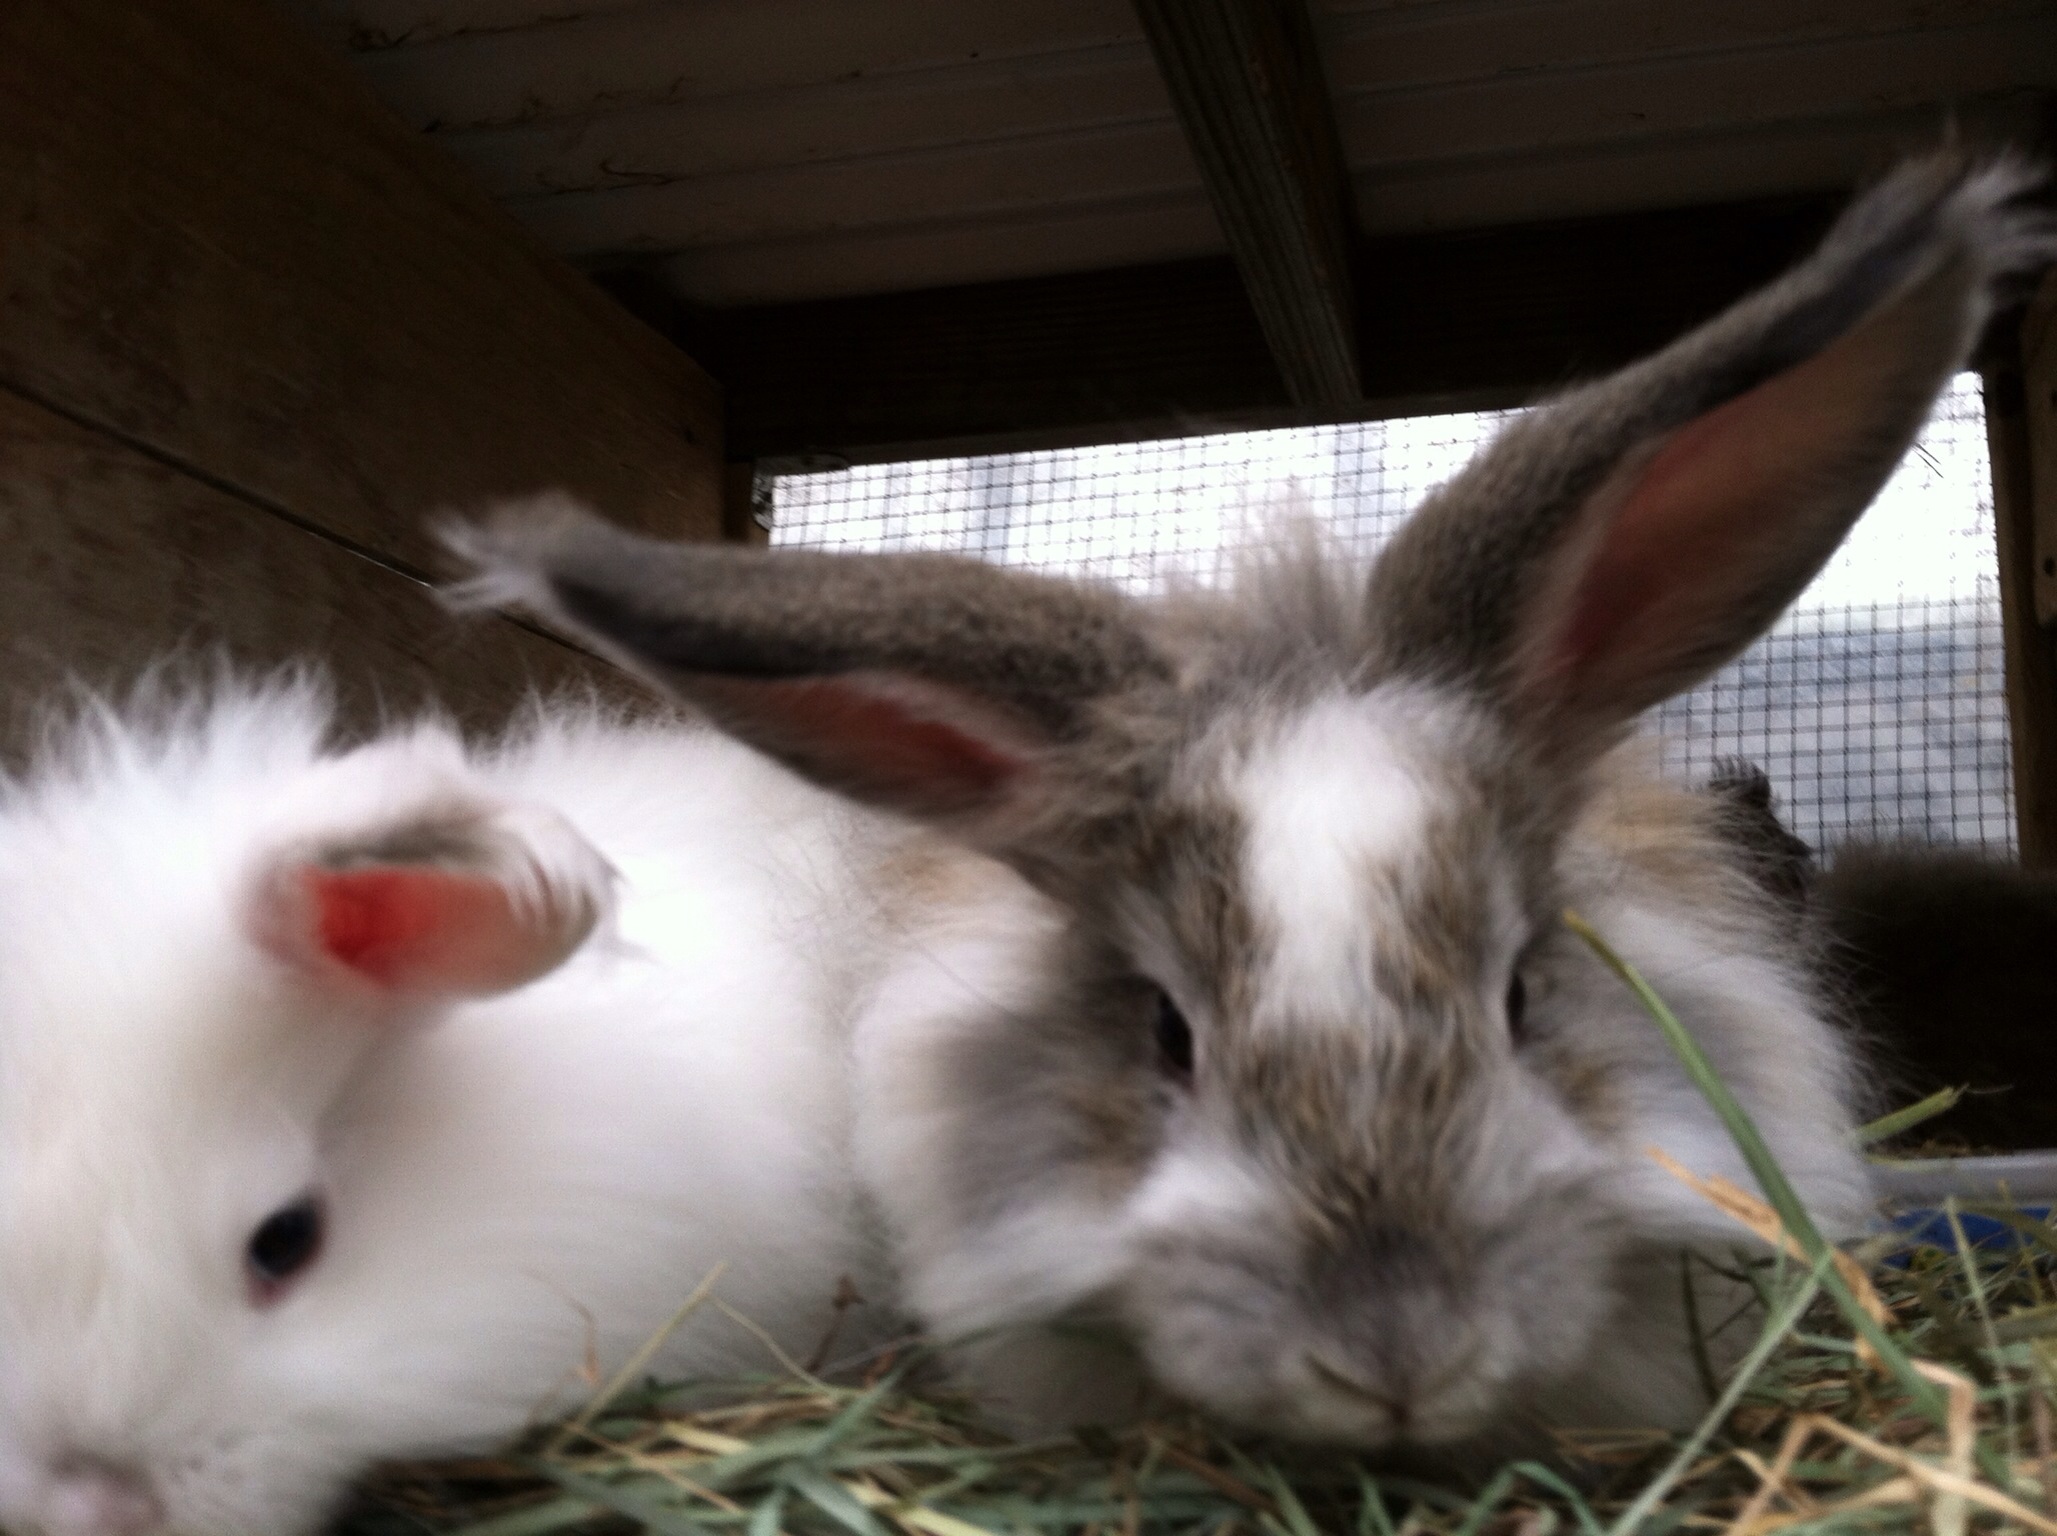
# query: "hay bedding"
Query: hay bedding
1903,1386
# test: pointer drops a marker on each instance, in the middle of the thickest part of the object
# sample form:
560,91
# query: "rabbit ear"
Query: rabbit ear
464,907
1615,547
924,683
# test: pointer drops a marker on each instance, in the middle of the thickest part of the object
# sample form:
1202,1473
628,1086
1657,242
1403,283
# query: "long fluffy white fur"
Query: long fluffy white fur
519,1191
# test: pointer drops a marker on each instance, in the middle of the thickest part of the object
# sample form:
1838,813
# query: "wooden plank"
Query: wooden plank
1415,46
949,216
217,246
862,113
2039,402
845,122
1784,159
2030,657
1643,100
380,24
1047,178
1582,179
672,52
903,258
1451,320
1246,82
115,559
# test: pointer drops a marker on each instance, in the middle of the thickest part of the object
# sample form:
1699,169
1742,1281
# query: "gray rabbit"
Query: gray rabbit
1224,1037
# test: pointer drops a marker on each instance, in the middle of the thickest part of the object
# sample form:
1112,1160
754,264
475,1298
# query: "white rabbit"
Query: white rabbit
361,1103
1256,1064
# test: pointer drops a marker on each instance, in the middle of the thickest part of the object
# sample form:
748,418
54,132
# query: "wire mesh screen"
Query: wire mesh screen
1877,704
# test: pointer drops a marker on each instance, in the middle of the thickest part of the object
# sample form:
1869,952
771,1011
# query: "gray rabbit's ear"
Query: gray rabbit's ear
1616,546
925,684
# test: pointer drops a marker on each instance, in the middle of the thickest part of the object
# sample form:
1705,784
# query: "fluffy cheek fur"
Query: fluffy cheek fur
1004,1119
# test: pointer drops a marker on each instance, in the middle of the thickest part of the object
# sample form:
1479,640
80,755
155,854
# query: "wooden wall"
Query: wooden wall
253,334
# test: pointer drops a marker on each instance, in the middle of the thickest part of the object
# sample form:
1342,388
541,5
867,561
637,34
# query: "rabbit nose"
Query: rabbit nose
1391,1400
91,1497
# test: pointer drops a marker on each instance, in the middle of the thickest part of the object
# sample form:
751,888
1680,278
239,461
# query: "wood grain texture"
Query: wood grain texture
382,24
598,56
115,560
1048,178
1583,179
2031,650
840,121
1246,80
1415,46
215,245
1781,159
1648,100
783,150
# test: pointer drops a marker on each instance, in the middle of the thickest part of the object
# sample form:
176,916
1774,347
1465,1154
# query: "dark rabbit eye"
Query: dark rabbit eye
1517,1009
284,1244
1174,1037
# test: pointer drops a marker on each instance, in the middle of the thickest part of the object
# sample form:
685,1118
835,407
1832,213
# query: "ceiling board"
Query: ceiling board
947,107
573,68
763,151
960,183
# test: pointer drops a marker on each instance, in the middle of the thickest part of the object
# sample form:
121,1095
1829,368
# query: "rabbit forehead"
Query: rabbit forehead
1370,859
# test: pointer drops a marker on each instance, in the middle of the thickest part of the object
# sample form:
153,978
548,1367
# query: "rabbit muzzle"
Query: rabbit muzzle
1382,1343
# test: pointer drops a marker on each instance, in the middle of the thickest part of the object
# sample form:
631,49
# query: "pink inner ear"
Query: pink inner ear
1694,545
1674,530
920,748
422,930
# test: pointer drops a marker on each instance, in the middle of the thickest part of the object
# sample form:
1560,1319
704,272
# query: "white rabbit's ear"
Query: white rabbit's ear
416,919
927,684
1615,547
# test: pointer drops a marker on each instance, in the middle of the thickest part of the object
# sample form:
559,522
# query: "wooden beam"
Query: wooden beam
1246,81
2039,398
1449,321
2031,657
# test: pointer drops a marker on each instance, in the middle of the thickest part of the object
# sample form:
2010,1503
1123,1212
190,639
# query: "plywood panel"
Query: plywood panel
1521,113
1410,47
215,244
376,24
784,150
1487,191
720,47
841,122
114,560
1721,164
1456,116
1051,176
